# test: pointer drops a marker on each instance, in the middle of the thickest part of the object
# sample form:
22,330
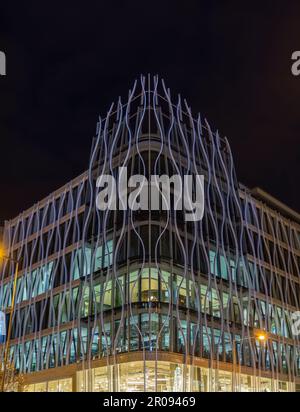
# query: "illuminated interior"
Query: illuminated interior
161,376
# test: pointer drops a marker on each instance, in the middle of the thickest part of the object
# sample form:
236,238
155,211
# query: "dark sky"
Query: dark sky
66,62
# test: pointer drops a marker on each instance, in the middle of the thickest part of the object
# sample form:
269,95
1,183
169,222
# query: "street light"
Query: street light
2,252
3,256
260,335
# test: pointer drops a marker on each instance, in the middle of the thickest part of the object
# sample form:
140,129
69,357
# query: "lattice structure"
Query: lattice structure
176,305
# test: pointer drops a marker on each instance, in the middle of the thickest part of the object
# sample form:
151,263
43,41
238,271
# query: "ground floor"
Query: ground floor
157,372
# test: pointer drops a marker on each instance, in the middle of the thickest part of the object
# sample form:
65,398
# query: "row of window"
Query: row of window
42,279
152,332
161,376
270,224
150,287
47,215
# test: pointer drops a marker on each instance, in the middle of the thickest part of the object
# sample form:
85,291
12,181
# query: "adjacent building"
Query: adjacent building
144,300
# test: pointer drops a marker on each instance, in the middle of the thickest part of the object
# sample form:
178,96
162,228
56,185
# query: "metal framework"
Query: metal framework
114,287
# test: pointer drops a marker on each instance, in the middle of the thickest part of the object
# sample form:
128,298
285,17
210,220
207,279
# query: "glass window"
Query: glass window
82,379
193,301
145,286
45,278
165,280
207,343
44,351
85,301
223,381
204,376
245,383
228,347
205,299
121,336
153,289
232,270
73,349
213,263
103,255
265,385
132,377
98,258
29,388
107,290
134,333
225,303
182,336
82,262
242,280
83,340
120,297
108,254
40,387
106,339
223,267
53,386
218,344
165,334
216,304
150,328
133,287
282,386
177,378
100,380
180,293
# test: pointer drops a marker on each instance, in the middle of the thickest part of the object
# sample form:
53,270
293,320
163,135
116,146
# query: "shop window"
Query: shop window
100,381
223,381
265,385
282,386
53,386
245,384
40,387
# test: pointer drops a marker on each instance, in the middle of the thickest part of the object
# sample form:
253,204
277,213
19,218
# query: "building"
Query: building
144,300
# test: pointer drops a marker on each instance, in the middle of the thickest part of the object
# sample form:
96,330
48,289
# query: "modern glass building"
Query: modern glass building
144,300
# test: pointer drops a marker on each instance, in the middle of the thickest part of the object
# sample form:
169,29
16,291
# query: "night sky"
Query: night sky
67,62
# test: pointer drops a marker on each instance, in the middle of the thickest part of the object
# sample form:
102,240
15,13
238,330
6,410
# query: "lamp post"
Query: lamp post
12,307
260,336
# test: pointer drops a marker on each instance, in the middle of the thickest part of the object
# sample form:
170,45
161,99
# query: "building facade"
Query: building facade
143,300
